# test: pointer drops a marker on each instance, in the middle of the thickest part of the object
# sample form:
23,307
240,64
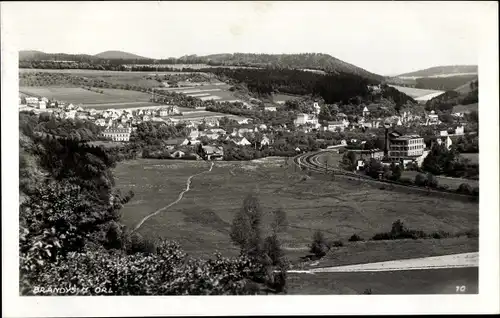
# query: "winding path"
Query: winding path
181,195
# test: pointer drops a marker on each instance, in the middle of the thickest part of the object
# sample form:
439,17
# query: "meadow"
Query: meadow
208,91
90,99
417,92
201,221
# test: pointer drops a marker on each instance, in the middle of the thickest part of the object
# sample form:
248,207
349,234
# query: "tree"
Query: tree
246,227
349,161
280,222
396,172
373,168
319,246
420,180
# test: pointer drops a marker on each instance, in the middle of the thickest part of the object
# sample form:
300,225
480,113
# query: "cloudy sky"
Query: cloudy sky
382,37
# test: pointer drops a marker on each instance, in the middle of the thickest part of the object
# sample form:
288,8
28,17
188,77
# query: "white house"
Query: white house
446,141
432,119
117,134
42,105
146,118
317,108
335,126
100,122
241,141
270,108
44,99
31,100
459,130
443,133
71,114
265,141
303,119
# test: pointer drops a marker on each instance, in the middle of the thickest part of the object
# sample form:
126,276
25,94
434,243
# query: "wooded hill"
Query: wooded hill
113,60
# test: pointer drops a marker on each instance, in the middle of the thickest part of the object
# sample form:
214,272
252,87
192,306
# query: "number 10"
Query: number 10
460,289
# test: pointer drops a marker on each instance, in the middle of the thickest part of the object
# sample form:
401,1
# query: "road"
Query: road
436,262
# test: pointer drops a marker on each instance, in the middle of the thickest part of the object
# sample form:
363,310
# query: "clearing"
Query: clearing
338,208
417,93
110,98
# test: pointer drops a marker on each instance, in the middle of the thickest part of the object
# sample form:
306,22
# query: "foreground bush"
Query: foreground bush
464,188
166,272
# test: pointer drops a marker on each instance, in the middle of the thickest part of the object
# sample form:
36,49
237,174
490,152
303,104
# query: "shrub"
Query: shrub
420,180
464,188
319,246
440,235
431,181
355,238
368,291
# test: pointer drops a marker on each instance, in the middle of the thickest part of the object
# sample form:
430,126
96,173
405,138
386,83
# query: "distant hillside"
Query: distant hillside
443,71
42,56
467,87
120,55
453,98
24,55
315,61
435,83
312,61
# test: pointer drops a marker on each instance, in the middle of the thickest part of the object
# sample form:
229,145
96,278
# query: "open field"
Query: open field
452,183
142,79
219,92
96,72
338,208
283,97
417,92
435,281
200,114
116,98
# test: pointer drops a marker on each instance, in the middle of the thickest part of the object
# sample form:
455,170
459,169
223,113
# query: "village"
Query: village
205,131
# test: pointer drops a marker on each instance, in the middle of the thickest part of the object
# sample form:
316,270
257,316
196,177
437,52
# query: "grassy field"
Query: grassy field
283,97
338,208
199,115
415,92
91,99
436,281
219,92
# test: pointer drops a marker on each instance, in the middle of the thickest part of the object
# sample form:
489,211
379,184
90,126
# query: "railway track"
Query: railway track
311,162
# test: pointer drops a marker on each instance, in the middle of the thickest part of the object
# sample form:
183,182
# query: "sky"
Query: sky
386,38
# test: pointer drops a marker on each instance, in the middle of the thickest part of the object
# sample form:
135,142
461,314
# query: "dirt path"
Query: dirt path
435,262
181,195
